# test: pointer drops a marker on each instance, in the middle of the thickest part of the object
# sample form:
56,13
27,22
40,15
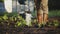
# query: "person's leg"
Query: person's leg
45,10
40,16
39,12
45,18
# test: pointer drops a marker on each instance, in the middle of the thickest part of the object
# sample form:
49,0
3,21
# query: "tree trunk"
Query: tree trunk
42,11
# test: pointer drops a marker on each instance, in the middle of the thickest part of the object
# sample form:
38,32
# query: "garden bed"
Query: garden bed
16,25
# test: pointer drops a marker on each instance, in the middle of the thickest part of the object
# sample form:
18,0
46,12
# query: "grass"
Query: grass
9,14
54,13
51,13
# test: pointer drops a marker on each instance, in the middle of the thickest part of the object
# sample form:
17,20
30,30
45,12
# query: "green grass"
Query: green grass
9,14
54,13
51,13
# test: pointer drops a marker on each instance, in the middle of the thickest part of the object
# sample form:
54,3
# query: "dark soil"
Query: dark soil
54,18
44,30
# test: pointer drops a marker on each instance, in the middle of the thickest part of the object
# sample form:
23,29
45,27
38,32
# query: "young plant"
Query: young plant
20,21
56,23
5,17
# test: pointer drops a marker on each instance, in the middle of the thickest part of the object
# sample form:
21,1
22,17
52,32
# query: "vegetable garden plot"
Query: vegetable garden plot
15,24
